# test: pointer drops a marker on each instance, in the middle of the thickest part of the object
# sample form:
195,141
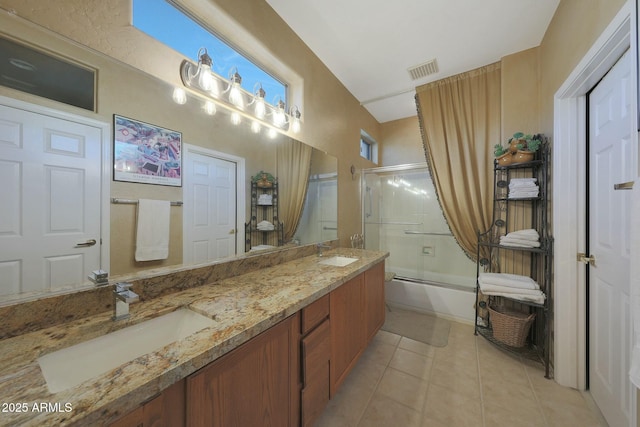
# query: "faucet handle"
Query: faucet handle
122,286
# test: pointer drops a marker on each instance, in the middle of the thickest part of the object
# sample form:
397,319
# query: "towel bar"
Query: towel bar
427,233
117,201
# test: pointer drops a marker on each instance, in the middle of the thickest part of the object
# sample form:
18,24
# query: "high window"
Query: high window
166,23
368,147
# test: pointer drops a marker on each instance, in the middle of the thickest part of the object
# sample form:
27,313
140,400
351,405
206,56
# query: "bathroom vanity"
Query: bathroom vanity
283,340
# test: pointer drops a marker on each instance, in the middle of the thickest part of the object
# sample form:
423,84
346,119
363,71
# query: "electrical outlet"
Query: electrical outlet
429,250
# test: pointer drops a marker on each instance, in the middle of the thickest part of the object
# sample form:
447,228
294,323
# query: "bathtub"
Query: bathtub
450,301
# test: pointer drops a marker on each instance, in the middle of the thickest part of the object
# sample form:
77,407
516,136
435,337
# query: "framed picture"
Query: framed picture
146,153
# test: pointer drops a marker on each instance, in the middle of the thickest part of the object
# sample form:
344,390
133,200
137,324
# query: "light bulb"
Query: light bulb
205,79
279,116
235,96
179,96
295,125
210,108
235,118
260,109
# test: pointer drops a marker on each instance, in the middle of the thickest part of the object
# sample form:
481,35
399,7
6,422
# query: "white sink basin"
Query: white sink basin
338,261
73,365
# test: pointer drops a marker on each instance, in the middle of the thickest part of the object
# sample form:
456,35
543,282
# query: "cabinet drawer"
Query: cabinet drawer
314,314
316,353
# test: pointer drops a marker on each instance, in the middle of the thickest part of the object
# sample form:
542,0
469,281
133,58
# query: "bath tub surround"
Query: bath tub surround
240,306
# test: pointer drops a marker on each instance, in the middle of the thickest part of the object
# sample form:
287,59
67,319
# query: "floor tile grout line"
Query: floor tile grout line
535,393
429,382
375,388
484,423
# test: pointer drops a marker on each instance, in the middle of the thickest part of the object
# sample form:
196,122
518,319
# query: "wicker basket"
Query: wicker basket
509,326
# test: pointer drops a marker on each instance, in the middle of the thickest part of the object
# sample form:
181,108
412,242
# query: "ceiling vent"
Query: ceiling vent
423,70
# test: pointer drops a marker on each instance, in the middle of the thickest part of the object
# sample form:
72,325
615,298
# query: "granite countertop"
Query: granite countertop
242,307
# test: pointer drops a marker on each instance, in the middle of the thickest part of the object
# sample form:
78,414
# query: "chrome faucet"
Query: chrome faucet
320,247
122,297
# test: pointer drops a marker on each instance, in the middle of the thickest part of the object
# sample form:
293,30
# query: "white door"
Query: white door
209,208
612,159
50,170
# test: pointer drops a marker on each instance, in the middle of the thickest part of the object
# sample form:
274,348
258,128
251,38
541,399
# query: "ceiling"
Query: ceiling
370,44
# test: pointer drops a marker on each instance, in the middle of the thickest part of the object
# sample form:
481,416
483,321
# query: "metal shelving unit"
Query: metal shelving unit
510,215
264,210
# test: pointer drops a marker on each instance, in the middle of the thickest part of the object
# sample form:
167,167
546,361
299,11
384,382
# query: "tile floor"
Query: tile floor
399,382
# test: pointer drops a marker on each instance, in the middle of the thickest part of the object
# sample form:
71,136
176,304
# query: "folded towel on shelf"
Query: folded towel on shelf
528,233
507,279
508,290
265,199
516,183
513,244
520,188
538,299
265,226
523,194
521,243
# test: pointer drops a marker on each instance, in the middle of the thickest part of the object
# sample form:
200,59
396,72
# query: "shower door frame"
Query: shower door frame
405,168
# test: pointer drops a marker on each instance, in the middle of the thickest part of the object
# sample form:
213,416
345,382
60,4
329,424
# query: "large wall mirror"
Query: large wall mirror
126,91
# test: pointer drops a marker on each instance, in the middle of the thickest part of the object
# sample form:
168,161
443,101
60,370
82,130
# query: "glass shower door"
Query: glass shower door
401,215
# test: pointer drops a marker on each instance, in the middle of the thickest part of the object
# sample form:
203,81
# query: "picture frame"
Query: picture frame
145,153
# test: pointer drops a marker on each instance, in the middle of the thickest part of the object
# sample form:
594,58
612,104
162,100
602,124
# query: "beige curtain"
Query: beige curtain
460,122
293,165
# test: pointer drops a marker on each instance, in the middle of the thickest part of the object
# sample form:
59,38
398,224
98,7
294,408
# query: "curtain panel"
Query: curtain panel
460,121
293,166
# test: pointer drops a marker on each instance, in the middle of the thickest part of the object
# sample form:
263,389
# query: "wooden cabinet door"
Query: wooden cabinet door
316,354
134,418
254,385
347,332
168,409
165,410
374,307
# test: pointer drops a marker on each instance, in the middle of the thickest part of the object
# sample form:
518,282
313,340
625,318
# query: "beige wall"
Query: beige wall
520,91
401,143
574,28
332,117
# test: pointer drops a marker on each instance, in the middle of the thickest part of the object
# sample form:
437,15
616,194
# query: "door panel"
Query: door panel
612,159
210,208
51,174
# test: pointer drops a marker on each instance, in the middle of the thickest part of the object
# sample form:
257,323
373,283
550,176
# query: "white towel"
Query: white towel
528,234
524,243
152,233
538,299
506,279
634,274
508,290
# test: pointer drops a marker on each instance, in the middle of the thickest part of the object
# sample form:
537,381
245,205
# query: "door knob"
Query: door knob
582,257
86,244
232,231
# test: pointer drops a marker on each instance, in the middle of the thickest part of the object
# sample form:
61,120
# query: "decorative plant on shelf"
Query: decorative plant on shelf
503,156
524,146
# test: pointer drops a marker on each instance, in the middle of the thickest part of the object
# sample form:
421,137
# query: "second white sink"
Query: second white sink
338,261
73,365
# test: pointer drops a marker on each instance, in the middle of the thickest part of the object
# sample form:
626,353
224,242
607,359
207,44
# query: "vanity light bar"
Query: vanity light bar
220,90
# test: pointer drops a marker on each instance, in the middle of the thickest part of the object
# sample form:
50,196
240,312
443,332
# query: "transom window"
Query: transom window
368,147
171,26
